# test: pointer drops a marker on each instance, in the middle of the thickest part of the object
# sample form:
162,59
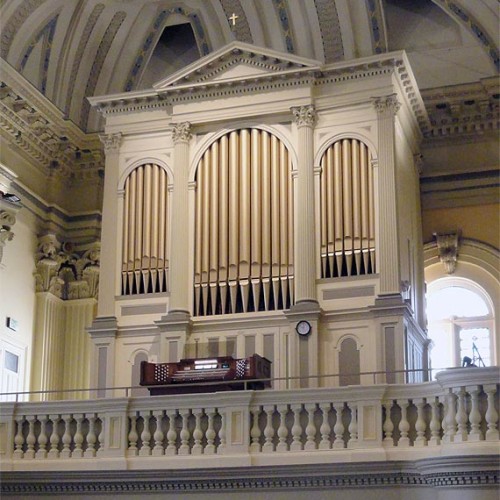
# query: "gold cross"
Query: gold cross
233,18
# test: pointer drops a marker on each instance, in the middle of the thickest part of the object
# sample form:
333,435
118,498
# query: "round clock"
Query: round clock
303,328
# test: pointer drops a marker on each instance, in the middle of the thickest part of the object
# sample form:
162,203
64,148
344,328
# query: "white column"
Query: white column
109,232
388,244
305,250
180,288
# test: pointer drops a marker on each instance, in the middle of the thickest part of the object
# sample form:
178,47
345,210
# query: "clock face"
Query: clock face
303,328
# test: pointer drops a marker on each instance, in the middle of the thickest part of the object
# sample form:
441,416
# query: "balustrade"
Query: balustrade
460,409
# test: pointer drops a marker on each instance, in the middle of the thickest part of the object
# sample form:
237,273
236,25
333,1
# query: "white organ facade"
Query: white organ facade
253,190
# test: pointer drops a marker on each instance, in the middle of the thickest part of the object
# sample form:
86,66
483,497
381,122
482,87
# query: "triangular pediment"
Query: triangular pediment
236,61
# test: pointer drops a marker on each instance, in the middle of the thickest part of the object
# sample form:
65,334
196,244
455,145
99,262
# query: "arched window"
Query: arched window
145,231
244,225
460,323
347,210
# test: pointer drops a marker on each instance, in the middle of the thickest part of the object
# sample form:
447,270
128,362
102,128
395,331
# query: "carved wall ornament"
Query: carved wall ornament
66,274
388,105
181,132
8,211
111,142
305,116
447,245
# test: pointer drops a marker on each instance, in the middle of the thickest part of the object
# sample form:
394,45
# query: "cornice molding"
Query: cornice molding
55,145
458,472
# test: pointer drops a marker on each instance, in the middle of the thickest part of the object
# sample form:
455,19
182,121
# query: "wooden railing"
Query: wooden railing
458,413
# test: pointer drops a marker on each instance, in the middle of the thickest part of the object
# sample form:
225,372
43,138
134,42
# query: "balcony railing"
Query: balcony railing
456,414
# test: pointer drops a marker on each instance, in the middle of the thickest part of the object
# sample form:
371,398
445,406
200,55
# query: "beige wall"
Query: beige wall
479,222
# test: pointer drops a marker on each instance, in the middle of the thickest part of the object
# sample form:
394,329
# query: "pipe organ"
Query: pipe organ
347,210
244,225
145,231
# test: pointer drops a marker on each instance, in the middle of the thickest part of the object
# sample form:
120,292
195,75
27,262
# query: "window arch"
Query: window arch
145,231
244,225
347,210
460,323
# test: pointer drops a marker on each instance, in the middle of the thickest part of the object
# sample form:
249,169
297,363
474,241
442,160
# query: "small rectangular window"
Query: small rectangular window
11,362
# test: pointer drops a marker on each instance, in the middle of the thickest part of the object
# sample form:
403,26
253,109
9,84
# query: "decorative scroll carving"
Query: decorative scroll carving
448,250
64,273
8,211
388,105
112,142
305,116
181,132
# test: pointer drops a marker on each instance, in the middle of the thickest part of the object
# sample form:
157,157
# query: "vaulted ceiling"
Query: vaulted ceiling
73,49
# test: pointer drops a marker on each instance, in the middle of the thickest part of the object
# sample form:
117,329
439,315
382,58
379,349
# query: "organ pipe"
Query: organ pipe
347,210
247,204
145,235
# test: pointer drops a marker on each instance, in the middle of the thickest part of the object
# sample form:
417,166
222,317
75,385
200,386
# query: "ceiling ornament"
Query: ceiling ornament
281,8
46,36
447,245
241,29
377,26
329,25
100,57
82,44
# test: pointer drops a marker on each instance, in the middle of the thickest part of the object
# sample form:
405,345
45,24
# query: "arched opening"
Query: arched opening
136,375
244,225
460,323
349,363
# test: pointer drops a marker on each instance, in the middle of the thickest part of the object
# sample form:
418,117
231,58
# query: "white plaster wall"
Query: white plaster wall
17,291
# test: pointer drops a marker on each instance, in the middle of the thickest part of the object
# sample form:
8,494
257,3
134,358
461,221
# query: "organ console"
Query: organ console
225,372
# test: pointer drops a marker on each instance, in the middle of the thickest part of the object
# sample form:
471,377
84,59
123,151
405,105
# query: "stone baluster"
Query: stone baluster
449,419
296,444
133,436
145,450
491,413
461,416
282,429
30,439
353,427
78,439
43,439
435,424
19,438
158,435
185,434
171,434
269,430
66,438
420,426
388,426
210,434
91,438
197,433
100,436
338,428
54,437
404,425
325,428
255,431
474,415
222,433
310,428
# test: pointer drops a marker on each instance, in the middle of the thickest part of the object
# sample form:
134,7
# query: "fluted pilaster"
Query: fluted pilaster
109,238
180,287
387,108
305,269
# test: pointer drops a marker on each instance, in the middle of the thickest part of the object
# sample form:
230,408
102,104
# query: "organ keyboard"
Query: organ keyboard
169,378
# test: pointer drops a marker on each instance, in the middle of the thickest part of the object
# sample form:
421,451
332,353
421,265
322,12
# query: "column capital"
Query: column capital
387,105
304,116
181,132
112,142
